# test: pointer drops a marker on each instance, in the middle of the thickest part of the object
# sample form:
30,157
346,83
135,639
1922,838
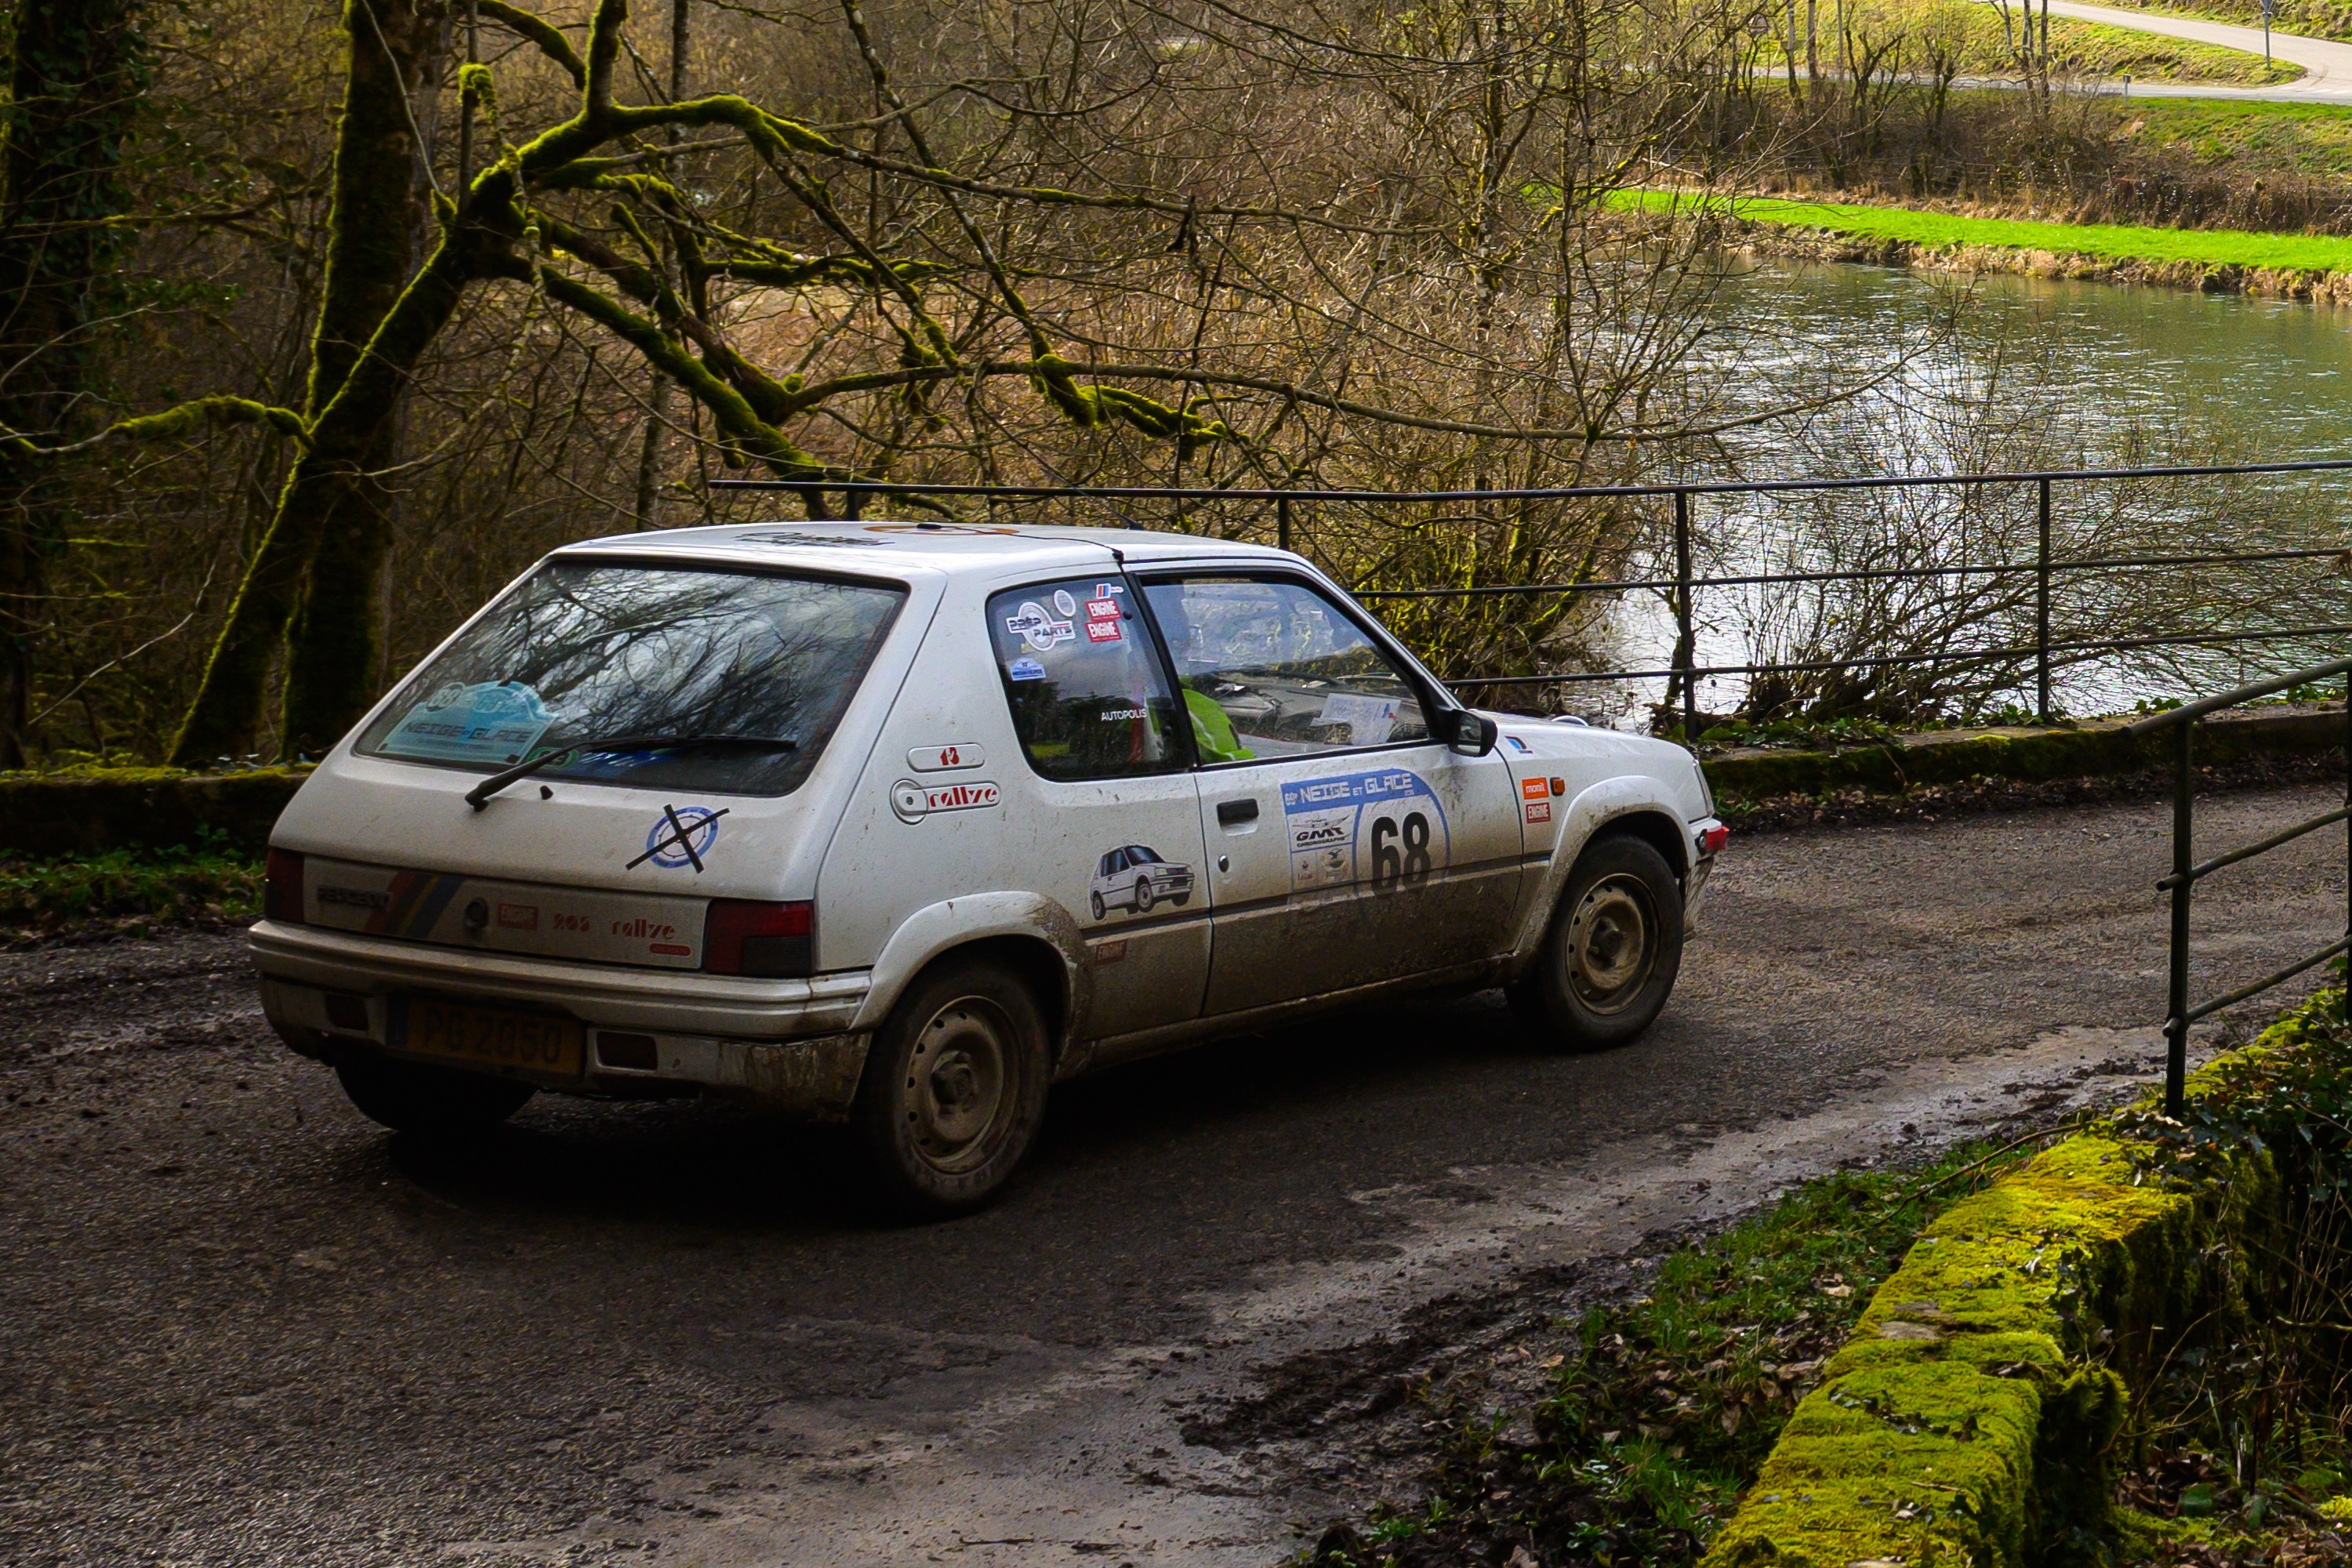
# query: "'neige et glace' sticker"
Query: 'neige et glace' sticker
1384,827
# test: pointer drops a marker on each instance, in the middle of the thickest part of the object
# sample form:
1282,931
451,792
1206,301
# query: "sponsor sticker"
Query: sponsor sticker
1026,669
1538,811
1383,828
1064,603
488,721
517,917
1102,609
913,801
1534,789
1103,631
1039,630
680,836
946,759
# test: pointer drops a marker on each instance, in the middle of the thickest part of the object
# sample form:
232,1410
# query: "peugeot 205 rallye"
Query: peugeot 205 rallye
897,824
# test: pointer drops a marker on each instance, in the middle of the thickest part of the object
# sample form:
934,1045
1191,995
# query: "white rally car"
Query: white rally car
898,823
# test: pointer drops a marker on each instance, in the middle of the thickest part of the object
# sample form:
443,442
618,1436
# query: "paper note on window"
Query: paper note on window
1369,719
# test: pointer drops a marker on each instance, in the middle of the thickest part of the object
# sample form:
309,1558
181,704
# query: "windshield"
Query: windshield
586,649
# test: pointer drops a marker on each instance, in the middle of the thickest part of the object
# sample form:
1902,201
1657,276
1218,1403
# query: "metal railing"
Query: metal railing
2188,871
1684,672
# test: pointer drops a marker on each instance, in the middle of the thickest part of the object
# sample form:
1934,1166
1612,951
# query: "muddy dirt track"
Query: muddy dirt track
238,1324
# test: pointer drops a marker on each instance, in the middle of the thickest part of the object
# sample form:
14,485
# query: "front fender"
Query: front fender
1586,814
938,928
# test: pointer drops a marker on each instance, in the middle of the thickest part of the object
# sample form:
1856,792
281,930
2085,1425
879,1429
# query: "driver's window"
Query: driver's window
1273,669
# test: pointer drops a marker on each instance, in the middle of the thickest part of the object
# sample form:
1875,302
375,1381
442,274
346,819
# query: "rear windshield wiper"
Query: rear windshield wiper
479,795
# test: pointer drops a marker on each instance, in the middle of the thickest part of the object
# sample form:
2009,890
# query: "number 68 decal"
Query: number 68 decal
1390,866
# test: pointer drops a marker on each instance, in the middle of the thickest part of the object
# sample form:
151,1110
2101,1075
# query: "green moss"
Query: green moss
2094,749
1973,1417
87,811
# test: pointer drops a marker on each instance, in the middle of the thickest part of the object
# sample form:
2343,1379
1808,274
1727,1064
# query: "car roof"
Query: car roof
887,544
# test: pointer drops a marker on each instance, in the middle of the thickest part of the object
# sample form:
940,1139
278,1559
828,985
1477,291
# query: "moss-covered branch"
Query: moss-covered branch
170,424
537,30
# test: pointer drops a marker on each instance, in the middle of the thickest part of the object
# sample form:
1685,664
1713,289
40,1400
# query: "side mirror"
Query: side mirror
1472,734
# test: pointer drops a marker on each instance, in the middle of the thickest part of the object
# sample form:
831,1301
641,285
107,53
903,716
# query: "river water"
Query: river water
2002,373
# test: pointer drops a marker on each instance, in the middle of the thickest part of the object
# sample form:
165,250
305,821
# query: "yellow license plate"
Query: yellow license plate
493,1037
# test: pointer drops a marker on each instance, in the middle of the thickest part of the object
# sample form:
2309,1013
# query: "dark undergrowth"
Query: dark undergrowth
1667,1405
127,892
2241,1440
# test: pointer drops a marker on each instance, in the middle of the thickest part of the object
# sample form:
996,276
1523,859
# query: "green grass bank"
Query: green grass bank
1932,232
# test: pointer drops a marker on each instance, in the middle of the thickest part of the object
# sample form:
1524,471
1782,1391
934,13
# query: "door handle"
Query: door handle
1229,812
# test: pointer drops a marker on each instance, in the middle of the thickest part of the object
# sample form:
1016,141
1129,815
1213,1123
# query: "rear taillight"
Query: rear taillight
748,936
281,887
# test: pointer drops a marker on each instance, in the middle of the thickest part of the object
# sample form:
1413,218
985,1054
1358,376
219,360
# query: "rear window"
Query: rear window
583,651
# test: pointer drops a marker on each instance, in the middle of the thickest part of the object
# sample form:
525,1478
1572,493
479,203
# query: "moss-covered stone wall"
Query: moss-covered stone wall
1972,1417
2089,750
115,808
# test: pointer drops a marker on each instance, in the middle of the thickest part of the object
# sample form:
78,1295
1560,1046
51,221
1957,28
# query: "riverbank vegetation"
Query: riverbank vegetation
1946,231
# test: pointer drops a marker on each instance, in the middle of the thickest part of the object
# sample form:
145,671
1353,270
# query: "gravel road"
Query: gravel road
239,1324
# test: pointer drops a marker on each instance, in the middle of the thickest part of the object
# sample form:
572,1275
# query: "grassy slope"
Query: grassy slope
1939,230
2231,135
2305,18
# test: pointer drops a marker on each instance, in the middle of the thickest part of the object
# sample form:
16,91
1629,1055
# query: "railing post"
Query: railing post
1685,641
1282,522
2176,1021
2041,613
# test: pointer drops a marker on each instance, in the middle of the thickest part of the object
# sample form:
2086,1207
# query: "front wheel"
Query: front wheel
953,1090
1143,895
428,1102
1609,961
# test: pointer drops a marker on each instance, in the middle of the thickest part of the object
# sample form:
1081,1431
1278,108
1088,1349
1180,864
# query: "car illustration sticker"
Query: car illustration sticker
1383,828
1132,879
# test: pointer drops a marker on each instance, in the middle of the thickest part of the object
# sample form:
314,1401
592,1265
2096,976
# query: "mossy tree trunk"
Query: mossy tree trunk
311,585
76,71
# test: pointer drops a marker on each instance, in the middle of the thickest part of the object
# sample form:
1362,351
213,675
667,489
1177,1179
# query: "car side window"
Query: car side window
1089,697
1272,669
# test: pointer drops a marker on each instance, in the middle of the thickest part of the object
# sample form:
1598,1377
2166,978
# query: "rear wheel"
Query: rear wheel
1609,961
429,1101
953,1090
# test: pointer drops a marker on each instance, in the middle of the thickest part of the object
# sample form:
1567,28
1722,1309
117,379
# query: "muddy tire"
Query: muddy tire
439,1103
1608,963
953,1090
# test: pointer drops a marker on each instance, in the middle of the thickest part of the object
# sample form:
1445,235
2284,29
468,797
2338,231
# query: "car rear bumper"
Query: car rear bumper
785,1042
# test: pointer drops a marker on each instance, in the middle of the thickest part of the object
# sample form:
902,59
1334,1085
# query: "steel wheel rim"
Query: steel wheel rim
1612,941
959,1096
